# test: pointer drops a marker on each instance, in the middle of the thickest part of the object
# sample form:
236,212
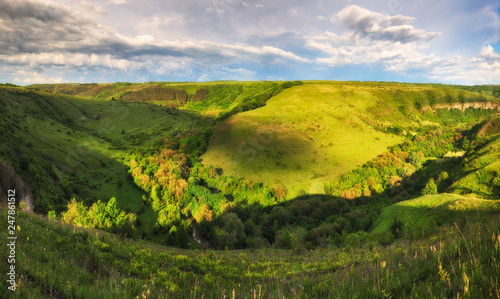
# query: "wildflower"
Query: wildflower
382,264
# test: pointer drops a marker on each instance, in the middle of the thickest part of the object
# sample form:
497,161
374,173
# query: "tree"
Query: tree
228,235
461,98
396,227
430,188
112,210
416,160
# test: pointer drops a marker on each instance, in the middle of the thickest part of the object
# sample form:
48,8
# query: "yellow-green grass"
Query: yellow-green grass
117,90
480,177
303,137
423,215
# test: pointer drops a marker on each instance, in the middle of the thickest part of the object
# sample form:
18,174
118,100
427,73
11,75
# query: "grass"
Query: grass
303,137
87,139
55,260
481,167
424,216
453,240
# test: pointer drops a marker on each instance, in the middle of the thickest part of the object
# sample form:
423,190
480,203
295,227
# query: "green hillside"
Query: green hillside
312,133
303,137
64,146
424,216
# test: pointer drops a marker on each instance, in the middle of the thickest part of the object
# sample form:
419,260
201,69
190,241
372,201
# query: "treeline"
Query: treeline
387,172
229,99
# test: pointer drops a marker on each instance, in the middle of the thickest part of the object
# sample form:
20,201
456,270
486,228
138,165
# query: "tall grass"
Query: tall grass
56,260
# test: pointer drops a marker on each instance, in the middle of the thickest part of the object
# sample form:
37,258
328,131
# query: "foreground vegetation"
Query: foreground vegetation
56,260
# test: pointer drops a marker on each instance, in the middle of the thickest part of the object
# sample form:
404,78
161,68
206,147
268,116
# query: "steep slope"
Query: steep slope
424,216
64,146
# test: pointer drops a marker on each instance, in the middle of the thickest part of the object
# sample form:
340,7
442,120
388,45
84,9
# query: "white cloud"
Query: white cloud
27,77
57,37
376,39
378,26
488,53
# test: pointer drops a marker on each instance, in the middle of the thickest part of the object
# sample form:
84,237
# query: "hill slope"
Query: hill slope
303,137
424,215
312,133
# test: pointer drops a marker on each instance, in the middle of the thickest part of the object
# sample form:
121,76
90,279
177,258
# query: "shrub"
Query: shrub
227,236
385,238
396,228
430,188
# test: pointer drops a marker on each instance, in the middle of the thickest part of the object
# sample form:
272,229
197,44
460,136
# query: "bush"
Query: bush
396,228
283,239
355,239
227,236
386,238
430,188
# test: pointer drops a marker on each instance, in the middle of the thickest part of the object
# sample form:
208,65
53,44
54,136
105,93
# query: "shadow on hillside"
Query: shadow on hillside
322,219
261,149
324,216
71,149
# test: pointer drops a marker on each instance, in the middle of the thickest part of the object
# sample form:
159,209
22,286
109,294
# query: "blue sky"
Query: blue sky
52,41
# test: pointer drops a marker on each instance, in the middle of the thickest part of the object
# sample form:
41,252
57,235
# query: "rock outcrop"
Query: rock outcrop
10,180
463,106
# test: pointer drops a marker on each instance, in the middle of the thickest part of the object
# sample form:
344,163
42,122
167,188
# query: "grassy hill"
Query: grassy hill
303,137
63,146
312,133
82,143
424,216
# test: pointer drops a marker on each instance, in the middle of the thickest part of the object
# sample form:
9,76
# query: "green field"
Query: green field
302,138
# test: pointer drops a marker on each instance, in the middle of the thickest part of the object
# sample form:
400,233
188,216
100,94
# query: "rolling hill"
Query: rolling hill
312,133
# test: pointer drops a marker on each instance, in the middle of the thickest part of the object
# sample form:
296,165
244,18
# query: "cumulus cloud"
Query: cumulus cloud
488,53
373,38
224,39
378,26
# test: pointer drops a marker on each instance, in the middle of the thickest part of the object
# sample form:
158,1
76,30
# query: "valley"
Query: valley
380,189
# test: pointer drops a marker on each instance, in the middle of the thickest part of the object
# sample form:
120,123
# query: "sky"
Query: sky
61,41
